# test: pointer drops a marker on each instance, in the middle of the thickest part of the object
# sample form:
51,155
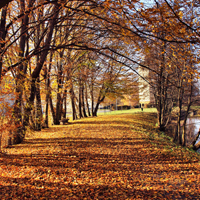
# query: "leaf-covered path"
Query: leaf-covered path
108,157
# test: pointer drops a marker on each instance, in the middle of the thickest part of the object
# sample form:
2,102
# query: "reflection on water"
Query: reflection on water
192,128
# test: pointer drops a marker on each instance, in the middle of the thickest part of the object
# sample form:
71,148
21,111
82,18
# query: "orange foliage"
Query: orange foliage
118,157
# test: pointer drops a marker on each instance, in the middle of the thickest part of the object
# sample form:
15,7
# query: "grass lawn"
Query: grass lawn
134,110
107,157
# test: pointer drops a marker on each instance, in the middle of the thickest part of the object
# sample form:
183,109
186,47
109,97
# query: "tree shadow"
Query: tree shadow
24,188
75,152
93,168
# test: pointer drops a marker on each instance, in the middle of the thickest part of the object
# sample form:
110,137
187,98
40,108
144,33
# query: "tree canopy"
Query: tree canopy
81,52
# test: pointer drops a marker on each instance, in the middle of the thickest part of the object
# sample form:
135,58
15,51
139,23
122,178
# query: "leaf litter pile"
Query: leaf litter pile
109,157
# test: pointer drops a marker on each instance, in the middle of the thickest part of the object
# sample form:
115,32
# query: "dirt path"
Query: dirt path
109,157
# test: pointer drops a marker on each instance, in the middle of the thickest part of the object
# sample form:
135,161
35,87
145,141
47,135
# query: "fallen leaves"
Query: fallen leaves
99,158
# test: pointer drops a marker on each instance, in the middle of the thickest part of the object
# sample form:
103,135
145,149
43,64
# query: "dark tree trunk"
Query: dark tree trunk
52,110
72,96
58,108
36,72
80,101
47,81
46,121
2,35
48,92
4,3
186,115
18,134
59,102
160,96
83,101
92,98
183,136
177,137
163,102
196,146
65,104
38,121
100,99
86,100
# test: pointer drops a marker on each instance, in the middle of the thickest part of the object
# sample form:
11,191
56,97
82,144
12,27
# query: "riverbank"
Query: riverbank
107,157
192,124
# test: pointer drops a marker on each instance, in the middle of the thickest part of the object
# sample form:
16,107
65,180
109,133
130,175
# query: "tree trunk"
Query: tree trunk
47,80
92,98
48,92
179,121
4,3
46,121
83,101
80,101
184,123
196,146
74,116
52,110
58,109
187,113
36,72
178,129
86,100
65,104
97,106
59,102
2,35
38,121
18,134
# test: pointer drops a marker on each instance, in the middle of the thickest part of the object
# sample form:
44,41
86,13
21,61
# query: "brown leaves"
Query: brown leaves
99,158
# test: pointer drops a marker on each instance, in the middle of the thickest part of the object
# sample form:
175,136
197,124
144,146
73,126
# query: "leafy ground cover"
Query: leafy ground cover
108,157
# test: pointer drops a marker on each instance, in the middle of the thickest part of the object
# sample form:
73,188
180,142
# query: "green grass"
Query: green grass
135,110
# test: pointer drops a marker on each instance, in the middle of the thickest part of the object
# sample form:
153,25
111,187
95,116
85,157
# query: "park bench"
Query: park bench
63,121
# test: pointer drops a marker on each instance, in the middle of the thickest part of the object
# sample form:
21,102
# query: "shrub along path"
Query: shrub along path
108,157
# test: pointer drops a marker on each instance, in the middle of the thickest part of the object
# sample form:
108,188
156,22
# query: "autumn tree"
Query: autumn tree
22,122
35,33
173,72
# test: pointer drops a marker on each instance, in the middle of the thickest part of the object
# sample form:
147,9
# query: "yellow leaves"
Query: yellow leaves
107,4
115,15
54,84
97,158
147,50
174,55
180,14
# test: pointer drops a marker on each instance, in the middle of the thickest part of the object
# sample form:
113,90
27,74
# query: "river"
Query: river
192,128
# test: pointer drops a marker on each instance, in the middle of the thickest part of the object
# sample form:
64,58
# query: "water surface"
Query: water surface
192,128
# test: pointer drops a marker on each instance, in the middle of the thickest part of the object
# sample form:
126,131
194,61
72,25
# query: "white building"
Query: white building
145,91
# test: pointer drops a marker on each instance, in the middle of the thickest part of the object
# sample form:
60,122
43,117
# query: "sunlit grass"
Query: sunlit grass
135,110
